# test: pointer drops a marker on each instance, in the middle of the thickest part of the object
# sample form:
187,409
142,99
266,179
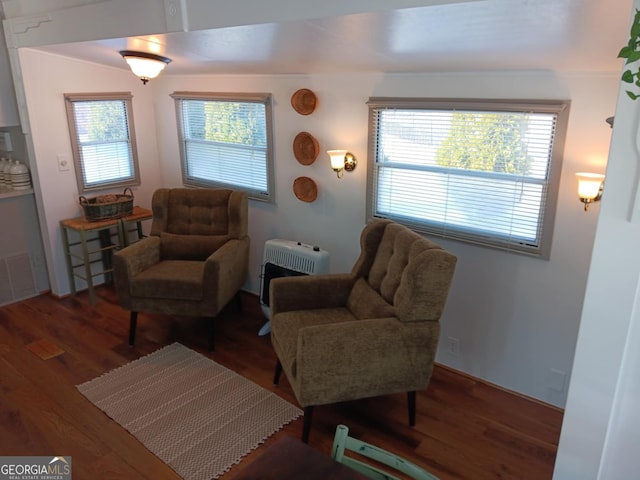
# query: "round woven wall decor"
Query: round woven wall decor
304,101
305,189
305,148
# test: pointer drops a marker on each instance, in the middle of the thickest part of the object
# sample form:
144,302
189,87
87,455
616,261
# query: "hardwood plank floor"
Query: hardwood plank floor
465,429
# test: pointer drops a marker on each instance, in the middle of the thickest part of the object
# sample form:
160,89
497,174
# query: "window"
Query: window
485,172
102,140
226,141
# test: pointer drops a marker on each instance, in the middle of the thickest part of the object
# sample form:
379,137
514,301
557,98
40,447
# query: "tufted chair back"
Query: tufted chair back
192,223
409,272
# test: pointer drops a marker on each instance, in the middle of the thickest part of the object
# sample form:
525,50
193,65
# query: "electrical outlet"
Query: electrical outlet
557,380
453,346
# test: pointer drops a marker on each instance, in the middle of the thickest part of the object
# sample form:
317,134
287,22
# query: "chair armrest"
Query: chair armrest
130,261
225,271
137,257
309,292
364,358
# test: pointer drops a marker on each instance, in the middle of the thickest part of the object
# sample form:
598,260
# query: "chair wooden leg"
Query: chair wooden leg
277,373
411,400
212,333
238,302
306,425
133,322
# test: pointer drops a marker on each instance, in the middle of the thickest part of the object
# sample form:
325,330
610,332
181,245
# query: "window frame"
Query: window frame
265,99
551,186
78,159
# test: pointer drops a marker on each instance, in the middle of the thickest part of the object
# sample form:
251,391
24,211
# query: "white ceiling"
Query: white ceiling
559,35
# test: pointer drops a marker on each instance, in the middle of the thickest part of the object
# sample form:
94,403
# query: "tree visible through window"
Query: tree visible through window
482,172
102,140
500,146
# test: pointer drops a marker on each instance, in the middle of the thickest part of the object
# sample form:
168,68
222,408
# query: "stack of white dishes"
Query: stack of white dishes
19,174
5,173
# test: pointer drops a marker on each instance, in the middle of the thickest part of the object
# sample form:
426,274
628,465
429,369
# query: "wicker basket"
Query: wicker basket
106,207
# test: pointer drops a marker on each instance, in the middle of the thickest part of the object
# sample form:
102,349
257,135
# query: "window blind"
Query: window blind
226,142
478,171
103,140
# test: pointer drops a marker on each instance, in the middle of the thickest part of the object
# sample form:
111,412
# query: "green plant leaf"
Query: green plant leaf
631,52
635,27
625,52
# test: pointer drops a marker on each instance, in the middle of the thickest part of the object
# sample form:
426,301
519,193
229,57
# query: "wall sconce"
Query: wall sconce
590,186
342,160
145,65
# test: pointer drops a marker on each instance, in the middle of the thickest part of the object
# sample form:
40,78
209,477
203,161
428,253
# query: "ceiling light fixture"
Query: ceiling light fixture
145,65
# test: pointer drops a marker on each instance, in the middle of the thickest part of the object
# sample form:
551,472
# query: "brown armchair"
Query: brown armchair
367,333
194,261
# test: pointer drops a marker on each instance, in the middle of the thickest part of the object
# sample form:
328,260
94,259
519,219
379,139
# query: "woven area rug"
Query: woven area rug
197,416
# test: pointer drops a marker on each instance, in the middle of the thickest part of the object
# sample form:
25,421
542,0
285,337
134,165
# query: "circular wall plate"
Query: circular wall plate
305,148
304,101
305,189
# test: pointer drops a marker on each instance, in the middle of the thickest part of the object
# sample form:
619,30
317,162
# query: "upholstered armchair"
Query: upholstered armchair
367,333
194,261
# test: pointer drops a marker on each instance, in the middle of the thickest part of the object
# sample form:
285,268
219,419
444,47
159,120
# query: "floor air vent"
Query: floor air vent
16,279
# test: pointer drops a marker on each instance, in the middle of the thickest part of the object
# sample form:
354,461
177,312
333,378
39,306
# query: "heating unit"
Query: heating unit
285,258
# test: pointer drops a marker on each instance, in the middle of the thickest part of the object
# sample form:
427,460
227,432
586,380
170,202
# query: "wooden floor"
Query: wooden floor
465,429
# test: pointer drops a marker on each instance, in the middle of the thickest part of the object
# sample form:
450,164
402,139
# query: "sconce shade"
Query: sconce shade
337,158
145,65
589,187
342,160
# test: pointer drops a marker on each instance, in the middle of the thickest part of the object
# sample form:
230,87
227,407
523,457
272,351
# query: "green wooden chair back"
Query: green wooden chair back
343,442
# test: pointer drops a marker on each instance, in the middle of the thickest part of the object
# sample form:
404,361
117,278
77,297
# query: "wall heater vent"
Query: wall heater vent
284,258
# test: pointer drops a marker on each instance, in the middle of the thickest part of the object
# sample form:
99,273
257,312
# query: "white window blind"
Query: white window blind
226,141
102,140
485,172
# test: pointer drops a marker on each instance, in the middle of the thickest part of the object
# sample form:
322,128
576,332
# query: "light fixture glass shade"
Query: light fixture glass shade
145,65
589,185
337,159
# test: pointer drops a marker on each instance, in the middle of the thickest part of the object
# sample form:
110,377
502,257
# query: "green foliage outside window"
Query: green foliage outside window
107,120
488,142
227,122
232,123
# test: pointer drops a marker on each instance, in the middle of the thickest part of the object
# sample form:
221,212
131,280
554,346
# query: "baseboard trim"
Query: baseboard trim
498,387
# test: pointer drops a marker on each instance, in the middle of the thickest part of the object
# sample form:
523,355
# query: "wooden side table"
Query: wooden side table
83,228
